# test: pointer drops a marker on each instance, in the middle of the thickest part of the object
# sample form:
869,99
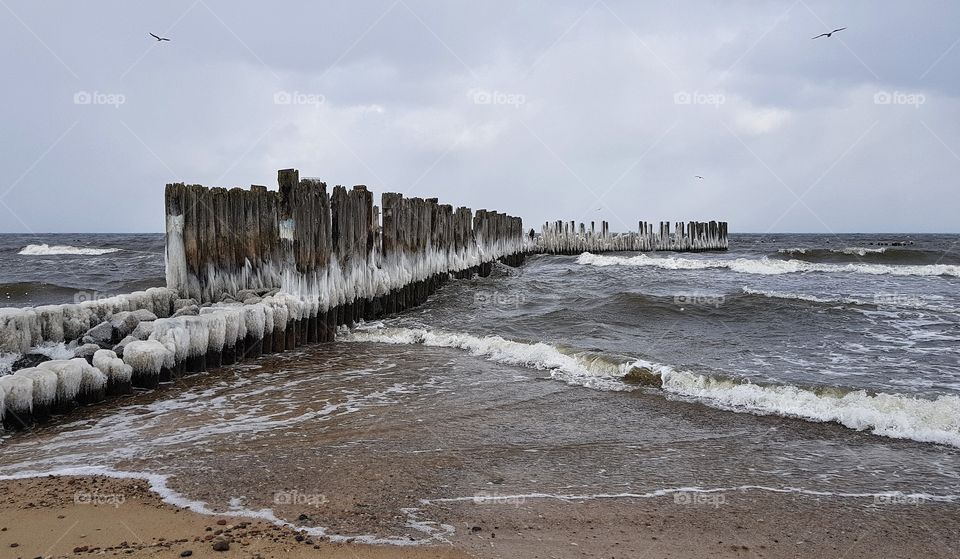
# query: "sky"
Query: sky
585,110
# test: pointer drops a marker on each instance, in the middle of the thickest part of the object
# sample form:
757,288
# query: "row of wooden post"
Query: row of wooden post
564,237
331,246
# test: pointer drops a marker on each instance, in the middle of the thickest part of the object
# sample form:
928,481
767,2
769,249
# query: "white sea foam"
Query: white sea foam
893,496
47,250
889,415
878,299
766,266
858,251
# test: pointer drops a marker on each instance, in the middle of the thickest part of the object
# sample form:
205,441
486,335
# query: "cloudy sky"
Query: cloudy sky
548,110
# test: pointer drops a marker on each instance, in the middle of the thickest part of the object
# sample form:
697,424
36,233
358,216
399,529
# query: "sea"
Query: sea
822,365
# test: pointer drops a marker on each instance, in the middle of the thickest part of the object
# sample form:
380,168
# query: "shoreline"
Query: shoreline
75,516
50,516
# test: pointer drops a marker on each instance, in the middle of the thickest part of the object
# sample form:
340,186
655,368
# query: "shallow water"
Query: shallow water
510,387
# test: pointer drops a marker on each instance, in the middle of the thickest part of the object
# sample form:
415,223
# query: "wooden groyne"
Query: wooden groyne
249,272
564,237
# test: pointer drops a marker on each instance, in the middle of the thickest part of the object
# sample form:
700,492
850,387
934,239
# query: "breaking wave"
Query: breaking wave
873,255
47,250
894,300
890,415
767,266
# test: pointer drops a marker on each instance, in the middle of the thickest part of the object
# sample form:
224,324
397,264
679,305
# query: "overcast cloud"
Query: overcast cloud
547,110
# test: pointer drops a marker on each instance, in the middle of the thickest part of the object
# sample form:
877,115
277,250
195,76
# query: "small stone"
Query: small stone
221,522
221,545
186,553
80,549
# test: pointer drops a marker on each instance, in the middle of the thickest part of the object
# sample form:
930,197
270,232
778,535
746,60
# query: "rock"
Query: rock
123,325
245,294
192,310
186,553
118,349
100,333
86,351
81,549
221,544
143,330
28,360
181,303
143,315
221,522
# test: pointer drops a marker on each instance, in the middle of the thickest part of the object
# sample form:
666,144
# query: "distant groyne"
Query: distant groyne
564,237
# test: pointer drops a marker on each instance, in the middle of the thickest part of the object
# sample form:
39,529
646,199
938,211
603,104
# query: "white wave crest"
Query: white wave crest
578,369
878,299
766,266
861,251
889,415
47,250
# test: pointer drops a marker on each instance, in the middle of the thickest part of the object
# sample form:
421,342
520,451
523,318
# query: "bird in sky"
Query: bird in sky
830,34
697,177
159,38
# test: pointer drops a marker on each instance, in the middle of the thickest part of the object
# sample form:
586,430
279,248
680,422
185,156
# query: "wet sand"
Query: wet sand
96,516
67,516
465,458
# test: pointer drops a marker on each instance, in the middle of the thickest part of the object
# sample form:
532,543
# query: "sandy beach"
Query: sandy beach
98,516
94,516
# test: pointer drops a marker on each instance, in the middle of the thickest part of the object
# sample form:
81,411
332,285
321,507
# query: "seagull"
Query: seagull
159,38
697,177
830,34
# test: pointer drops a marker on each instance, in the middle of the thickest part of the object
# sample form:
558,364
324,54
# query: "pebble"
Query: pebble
186,553
221,545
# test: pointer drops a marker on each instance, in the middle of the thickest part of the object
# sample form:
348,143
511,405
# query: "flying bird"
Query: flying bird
159,38
697,177
830,34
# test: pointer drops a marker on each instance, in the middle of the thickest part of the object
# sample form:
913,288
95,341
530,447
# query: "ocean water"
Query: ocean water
812,364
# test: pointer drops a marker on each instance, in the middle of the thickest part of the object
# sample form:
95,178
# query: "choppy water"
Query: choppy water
790,363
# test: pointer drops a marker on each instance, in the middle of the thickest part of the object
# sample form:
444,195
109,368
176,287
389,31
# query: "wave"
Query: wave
47,250
858,251
889,415
894,300
766,266
875,255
